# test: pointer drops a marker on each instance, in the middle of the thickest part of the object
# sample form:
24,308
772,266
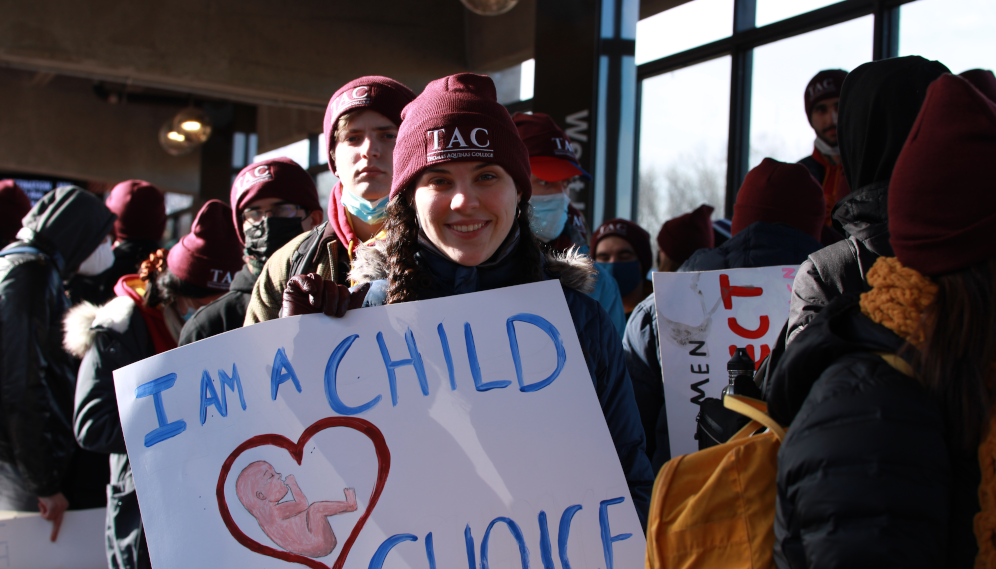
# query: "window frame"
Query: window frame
740,46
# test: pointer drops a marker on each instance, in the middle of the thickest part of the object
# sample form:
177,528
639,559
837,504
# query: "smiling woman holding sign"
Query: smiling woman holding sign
458,222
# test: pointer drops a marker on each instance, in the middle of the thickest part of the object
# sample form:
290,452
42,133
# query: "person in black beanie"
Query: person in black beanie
141,211
878,104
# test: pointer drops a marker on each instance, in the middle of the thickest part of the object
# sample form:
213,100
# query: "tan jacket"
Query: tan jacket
267,293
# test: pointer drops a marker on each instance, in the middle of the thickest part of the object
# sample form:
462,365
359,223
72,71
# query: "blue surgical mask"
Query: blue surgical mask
189,314
626,273
549,214
368,211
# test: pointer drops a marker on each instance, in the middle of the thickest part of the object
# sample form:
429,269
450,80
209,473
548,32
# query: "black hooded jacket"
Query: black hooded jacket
879,102
37,377
866,477
99,289
223,314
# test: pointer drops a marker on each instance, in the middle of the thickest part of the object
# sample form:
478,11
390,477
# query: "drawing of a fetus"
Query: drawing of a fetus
294,525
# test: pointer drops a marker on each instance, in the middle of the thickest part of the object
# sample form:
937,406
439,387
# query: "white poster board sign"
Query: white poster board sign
25,541
445,433
701,318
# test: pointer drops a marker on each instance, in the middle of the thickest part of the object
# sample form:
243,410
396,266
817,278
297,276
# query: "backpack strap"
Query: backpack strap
755,410
21,250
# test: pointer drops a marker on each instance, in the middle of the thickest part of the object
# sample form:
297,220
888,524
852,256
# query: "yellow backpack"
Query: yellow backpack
715,508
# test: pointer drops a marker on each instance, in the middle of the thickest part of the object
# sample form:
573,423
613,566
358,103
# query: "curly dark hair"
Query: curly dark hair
405,276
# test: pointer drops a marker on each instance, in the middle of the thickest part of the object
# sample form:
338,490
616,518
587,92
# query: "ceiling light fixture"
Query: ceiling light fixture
183,133
489,7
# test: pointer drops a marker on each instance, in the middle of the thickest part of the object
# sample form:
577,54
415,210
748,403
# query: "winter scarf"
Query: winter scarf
897,300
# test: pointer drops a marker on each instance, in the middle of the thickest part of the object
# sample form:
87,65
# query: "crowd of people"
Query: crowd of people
445,193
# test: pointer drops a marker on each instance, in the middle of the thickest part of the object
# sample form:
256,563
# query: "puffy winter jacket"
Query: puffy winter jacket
865,475
759,245
841,267
37,377
108,338
223,314
599,339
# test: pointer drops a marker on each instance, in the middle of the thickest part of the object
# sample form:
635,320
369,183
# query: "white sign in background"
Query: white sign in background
700,317
25,541
489,473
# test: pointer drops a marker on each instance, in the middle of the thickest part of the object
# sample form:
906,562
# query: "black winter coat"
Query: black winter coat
110,337
223,314
759,245
596,333
37,376
865,475
99,289
842,267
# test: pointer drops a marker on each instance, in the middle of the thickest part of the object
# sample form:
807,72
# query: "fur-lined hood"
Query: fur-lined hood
82,322
574,269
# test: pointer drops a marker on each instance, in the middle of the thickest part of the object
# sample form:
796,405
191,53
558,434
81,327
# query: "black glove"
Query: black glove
311,294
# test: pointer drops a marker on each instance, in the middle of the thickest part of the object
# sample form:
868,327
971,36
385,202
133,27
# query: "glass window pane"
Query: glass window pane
779,127
958,33
771,11
684,125
689,25
298,152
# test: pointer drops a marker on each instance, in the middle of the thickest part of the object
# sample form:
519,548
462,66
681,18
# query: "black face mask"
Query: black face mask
263,239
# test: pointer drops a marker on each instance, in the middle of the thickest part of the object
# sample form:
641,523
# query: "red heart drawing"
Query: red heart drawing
296,451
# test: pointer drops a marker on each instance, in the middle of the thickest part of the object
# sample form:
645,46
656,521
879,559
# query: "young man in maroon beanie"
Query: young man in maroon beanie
14,205
554,221
361,125
273,202
684,235
141,211
622,249
878,105
822,101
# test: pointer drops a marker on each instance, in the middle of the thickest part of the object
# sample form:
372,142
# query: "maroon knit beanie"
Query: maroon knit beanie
458,118
210,255
776,192
14,205
141,210
983,80
277,178
632,233
824,85
686,234
942,195
382,94
551,155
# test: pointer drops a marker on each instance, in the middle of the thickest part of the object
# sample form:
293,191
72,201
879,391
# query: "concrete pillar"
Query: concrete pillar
586,80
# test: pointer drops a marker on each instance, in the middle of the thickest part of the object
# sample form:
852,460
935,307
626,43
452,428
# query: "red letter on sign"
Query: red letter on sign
728,292
750,334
